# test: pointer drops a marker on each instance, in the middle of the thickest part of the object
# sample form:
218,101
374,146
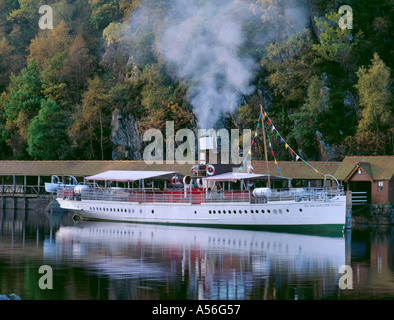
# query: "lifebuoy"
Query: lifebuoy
175,180
210,170
249,183
194,169
250,169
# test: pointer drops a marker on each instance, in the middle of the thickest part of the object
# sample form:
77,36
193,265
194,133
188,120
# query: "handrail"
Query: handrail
202,196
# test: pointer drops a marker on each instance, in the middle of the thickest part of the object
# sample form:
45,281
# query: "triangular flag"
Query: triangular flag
291,151
286,146
277,133
272,153
258,124
240,168
273,127
260,116
276,162
264,115
270,144
281,140
268,121
255,134
265,125
316,171
253,143
278,170
297,157
250,152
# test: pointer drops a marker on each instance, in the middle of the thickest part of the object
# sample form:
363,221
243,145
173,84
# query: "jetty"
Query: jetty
370,179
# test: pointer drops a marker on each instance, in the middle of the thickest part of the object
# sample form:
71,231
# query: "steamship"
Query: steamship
211,195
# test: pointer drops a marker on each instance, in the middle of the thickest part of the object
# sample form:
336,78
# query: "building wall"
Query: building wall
380,196
391,191
360,177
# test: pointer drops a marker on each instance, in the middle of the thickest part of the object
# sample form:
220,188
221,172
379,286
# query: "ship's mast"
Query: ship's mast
265,146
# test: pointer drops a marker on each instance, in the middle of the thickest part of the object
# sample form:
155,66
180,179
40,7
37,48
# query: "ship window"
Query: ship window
210,211
214,212
287,210
235,211
268,211
262,211
195,212
251,211
224,211
280,210
300,210
275,211
240,211
153,211
129,211
219,211
118,209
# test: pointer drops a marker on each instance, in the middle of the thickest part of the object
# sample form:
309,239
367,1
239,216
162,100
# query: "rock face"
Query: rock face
125,137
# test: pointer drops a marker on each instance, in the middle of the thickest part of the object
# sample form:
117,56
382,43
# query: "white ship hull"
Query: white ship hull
276,213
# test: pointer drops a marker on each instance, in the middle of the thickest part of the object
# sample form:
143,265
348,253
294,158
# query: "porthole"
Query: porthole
251,211
210,211
219,211
140,210
246,211
240,211
118,209
132,210
153,211
287,210
214,212
262,211
224,211
269,211
280,211
300,210
235,211
275,211
129,211
195,212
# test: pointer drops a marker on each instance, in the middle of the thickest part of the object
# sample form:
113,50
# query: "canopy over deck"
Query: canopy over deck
121,175
234,176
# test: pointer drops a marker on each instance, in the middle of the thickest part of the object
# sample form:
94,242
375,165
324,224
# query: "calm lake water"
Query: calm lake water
114,261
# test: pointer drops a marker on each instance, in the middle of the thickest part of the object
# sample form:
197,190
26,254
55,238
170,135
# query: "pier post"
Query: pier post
348,219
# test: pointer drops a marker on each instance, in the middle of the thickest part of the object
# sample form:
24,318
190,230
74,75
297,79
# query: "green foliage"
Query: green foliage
335,44
60,87
47,133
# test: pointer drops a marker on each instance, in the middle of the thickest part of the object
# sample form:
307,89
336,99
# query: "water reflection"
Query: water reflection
204,263
104,260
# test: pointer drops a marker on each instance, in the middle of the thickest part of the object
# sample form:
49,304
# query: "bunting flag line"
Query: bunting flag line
264,115
277,134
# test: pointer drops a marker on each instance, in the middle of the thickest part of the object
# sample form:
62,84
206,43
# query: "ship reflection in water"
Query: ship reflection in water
143,261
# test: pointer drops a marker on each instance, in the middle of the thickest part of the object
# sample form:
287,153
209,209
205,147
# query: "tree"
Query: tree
91,121
375,95
20,104
289,64
47,133
335,44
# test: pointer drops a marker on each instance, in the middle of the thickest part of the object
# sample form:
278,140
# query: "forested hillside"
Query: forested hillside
109,70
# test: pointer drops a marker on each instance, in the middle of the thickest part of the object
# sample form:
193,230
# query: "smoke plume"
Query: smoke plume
205,42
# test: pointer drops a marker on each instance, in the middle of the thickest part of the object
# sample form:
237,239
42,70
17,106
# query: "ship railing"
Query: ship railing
179,196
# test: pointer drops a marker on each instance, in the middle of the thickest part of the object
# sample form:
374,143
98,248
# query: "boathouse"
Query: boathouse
372,175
